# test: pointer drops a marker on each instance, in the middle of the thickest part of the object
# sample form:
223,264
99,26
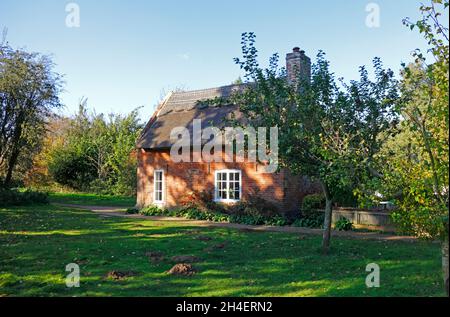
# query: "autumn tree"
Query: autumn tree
95,152
416,166
29,92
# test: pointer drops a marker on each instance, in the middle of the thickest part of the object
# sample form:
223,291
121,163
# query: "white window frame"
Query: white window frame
216,191
163,196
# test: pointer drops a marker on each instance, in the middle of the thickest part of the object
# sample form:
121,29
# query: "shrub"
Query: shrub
261,206
193,212
310,219
343,224
247,219
313,201
153,210
100,187
132,210
276,221
197,199
71,168
201,206
14,197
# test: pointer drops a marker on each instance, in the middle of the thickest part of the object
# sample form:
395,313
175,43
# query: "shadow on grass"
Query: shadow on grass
36,244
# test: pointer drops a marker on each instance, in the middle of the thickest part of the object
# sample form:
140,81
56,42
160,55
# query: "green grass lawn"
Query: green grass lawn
37,242
93,199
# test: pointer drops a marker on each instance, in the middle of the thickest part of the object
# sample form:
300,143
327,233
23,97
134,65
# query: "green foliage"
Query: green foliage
69,167
310,219
313,201
154,211
345,196
132,211
244,215
276,220
415,163
13,197
326,131
343,224
29,91
96,154
247,219
190,212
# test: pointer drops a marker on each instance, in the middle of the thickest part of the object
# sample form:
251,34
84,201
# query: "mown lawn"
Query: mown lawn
92,199
36,244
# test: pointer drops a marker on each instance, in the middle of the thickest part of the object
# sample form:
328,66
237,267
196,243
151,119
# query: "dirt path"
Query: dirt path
108,211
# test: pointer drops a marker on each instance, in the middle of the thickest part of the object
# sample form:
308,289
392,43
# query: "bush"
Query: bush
153,211
343,224
21,198
71,168
193,212
313,201
276,221
257,204
100,187
132,210
201,206
310,219
247,219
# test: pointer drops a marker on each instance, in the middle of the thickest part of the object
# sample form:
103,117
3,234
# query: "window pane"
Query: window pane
158,183
228,185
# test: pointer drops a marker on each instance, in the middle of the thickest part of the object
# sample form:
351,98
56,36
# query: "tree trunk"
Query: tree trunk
11,165
327,220
445,263
12,161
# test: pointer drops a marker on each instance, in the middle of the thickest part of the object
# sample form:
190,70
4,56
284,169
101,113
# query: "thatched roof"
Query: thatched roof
179,109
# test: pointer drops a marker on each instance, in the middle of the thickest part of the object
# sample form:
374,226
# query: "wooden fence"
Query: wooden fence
365,218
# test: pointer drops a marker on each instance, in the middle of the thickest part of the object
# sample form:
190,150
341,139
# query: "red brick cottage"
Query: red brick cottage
164,182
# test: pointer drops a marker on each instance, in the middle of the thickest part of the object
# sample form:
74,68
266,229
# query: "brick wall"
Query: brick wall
283,189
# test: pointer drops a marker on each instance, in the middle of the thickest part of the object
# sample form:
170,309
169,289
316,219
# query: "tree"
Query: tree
326,132
29,91
96,152
237,81
416,165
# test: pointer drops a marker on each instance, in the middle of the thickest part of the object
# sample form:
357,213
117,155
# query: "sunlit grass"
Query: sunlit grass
36,244
92,199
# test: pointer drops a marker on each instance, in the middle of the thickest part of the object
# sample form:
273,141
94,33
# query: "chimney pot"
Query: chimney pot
296,49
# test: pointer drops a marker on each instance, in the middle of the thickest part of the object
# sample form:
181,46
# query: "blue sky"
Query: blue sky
126,52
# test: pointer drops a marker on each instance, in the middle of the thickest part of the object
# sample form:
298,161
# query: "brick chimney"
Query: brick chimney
298,66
